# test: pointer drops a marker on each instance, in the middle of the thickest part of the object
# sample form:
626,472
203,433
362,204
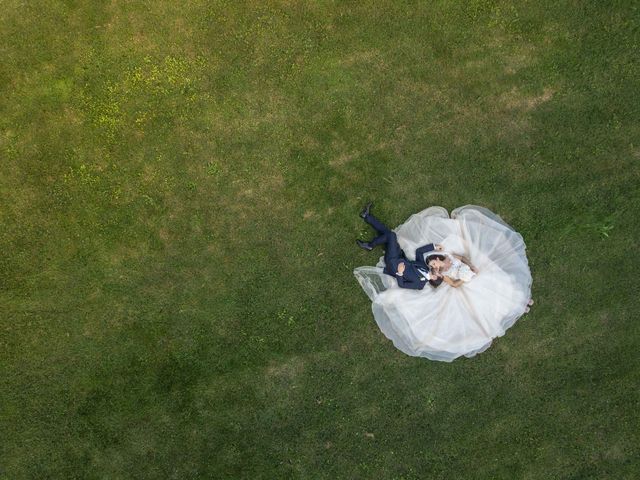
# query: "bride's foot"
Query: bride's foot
529,303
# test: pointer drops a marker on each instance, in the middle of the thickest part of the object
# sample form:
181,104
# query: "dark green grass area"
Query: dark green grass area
179,190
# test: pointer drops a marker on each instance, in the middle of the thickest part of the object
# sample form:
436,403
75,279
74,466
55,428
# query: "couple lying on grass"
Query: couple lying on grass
480,259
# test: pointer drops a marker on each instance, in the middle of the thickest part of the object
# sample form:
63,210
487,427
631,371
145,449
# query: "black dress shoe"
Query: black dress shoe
365,210
364,245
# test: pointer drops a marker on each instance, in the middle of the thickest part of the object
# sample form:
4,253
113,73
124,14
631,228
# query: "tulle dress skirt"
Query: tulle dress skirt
445,323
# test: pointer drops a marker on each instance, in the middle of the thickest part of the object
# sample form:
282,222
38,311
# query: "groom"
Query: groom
414,275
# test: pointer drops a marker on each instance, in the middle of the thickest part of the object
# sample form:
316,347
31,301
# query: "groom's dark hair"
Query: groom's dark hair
436,256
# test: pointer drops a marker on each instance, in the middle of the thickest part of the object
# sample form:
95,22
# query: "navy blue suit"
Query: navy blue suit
393,256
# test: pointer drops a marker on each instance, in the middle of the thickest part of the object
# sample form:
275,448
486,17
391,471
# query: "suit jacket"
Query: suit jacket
411,277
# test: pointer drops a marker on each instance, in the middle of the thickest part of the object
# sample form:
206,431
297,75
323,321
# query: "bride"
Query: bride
486,284
454,269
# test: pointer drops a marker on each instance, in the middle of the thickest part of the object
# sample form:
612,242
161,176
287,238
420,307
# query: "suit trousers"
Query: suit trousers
386,236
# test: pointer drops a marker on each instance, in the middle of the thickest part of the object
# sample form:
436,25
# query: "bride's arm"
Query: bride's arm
453,283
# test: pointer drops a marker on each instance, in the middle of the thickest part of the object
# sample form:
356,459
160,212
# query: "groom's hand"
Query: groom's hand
400,268
439,248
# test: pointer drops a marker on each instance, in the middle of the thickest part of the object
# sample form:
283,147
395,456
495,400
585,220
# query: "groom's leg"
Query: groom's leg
392,250
380,227
391,246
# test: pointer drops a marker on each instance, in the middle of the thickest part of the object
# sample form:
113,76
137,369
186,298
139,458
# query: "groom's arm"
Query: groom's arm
429,247
424,249
402,283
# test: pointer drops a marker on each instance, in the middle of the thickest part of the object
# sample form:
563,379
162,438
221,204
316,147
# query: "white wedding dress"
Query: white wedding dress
445,323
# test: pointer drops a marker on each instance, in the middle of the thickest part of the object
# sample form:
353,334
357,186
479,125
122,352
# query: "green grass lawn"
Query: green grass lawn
179,189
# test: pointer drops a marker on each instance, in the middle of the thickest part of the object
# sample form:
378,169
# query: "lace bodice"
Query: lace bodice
458,270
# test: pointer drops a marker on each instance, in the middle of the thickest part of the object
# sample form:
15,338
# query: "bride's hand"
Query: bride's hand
474,269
